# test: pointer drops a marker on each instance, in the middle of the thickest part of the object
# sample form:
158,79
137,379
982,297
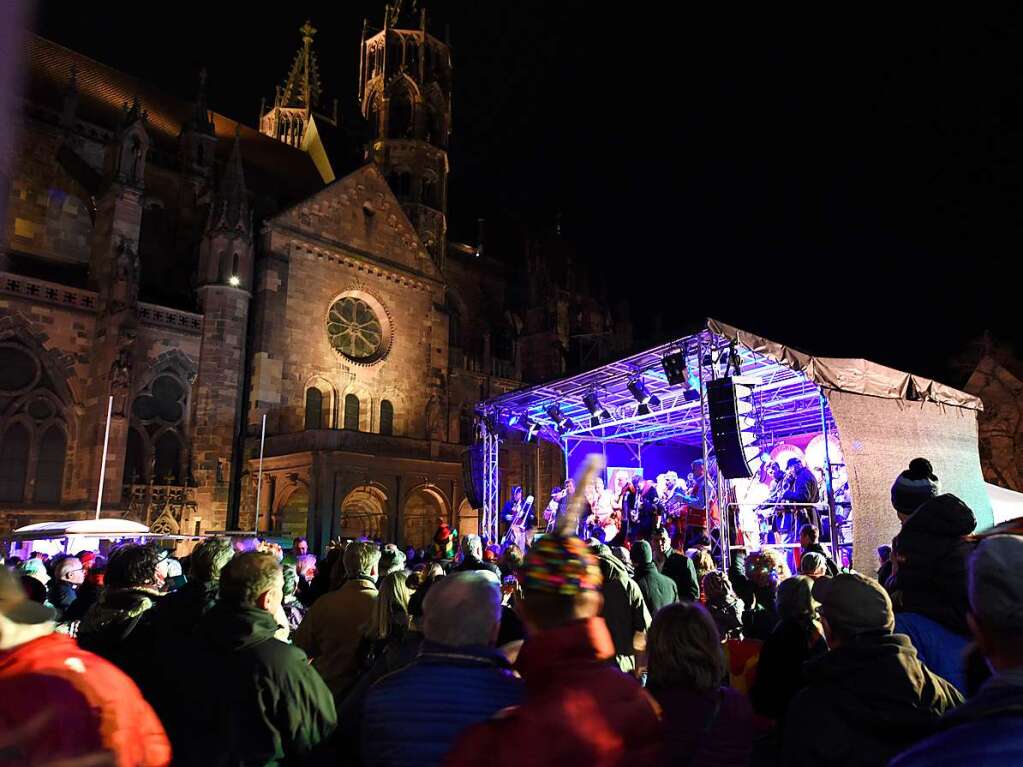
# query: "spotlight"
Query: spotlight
597,411
642,395
554,412
531,431
675,369
234,280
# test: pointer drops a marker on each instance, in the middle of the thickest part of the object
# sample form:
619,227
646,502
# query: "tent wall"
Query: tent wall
879,438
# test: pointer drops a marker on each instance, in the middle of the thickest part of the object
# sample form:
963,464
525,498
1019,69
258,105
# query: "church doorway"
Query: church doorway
468,519
294,514
364,513
423,506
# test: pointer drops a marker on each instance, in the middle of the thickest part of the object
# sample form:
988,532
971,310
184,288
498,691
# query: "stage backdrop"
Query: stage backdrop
880,437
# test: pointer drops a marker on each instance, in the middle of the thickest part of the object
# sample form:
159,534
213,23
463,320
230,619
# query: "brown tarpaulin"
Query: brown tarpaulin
885,418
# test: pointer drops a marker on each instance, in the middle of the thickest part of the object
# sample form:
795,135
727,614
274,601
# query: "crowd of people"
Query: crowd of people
571,652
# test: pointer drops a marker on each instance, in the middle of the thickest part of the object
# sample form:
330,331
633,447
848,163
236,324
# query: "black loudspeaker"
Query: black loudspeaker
472,475
733,429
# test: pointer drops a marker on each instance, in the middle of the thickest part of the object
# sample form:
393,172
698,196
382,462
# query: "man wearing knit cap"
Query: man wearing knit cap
987,729
913,487
869,697
579,708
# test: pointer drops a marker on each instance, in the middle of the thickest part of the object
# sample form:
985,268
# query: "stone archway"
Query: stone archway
364,513
294,513
423,506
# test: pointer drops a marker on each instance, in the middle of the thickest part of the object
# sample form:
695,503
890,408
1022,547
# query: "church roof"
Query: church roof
271,167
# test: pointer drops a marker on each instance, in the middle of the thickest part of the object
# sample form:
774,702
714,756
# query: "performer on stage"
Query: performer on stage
511,509
698,500
550,514
519,519
800,487
648,510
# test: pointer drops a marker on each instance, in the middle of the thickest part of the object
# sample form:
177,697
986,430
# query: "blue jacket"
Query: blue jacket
940,648
986,730
412,716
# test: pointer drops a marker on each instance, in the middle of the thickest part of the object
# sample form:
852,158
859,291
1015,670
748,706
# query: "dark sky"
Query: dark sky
850,184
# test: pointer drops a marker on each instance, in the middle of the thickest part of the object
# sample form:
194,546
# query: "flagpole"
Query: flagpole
103,465
259,480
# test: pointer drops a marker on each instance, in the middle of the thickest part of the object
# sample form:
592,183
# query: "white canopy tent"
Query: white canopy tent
1005,504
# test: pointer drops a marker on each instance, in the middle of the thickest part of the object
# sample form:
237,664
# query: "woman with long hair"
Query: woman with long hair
704,723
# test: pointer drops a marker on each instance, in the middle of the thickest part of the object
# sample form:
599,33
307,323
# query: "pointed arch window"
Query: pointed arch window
168,458
135,459
14,463
386,418
313,409
352,412
50,466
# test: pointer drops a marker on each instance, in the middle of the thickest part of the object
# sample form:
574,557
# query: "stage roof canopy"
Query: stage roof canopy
787,386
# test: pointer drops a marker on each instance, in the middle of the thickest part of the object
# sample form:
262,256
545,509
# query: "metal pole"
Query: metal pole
703,436
832,528
103,464
259,479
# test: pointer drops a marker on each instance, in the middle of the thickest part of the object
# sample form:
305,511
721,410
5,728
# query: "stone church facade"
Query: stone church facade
199,278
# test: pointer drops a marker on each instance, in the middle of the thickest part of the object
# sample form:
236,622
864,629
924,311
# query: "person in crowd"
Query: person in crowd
869,697
236,694
299,547
658,590
813,565
914,487
798,638
174,577
68,575
681,569
11,563
723,605
34,589
131,589
928,586
988,728
433,573
457,677
703,562
582,710
293,608
491,554
810,542
622,555
34,567
332,629
322,581
624,610
703,722
765,571
445,542
660,542
89,592
389,621
60,704
884,563
392,560
510,560
174,616
472,557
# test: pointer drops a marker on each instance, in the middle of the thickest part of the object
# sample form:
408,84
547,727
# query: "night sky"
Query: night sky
849,184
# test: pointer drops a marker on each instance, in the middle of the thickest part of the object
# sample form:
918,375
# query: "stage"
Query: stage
863,420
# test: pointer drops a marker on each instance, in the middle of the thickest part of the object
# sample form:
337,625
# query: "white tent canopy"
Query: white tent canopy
91,528
1005,504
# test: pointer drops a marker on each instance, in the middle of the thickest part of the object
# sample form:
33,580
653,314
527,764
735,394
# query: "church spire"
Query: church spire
200,120
302,88
230,212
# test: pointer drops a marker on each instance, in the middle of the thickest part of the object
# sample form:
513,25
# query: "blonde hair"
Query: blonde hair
391,607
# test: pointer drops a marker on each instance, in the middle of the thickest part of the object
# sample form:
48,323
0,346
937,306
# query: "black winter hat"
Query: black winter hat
914,486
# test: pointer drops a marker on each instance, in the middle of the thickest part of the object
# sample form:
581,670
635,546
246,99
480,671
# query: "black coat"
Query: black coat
931,554
864,702
235,695
658,590
61,595
681,569
829,563
780,668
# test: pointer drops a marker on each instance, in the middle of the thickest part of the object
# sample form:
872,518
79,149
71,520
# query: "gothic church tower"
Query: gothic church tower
405,96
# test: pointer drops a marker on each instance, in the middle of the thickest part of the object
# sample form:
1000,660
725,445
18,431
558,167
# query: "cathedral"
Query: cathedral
264,327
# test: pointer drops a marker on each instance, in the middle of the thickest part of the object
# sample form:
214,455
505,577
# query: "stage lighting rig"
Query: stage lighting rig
642,396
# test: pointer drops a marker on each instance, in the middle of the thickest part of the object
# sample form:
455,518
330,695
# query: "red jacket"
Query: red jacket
579,709
64,702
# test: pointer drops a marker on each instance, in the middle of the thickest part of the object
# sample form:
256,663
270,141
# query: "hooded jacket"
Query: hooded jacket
238,696
864,702
578,709
86,704
658,590
624,612
681,569
108,624
931,554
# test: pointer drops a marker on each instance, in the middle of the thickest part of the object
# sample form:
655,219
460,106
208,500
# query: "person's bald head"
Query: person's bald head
463,609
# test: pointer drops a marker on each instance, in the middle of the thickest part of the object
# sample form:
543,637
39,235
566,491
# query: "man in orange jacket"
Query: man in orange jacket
59,702
579,708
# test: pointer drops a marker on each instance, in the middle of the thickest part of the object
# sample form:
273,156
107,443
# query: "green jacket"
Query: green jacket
658,590
243,696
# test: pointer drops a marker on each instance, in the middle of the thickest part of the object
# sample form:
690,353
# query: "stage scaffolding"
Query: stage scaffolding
792,396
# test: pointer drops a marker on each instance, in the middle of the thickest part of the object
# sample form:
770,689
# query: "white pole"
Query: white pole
259,480
103,465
